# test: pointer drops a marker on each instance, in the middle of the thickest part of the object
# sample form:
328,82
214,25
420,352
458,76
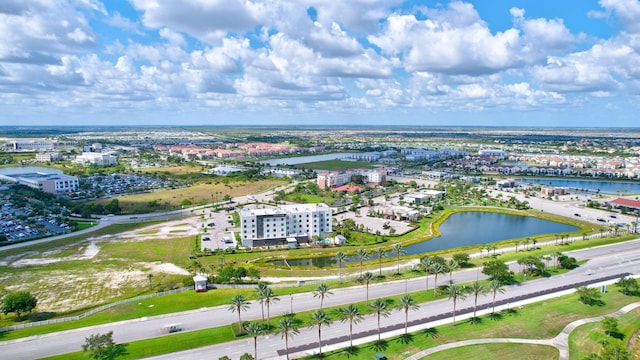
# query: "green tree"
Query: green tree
380,307
352,314
288,328
462,259
239,304
589,296
610,326
436,269
269,297
495,287
455,293
425,265
498,270
18,302
628,285
399,250
407,303
477,289
319,318
380,254
321,292
246,356
341,258
260,290
367,278
102,346
452,266
254,330
362,257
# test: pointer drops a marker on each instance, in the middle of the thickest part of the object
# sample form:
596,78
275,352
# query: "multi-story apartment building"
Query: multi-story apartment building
283,224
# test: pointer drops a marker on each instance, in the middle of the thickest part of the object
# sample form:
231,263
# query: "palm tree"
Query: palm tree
452,266
495,287
425,264
239,304
399,250
322,291
269,297
254,330
517,242
319,318
367,277
380,254
362,256
456,292
436,269
261,289
352,314
476,289
288,327
526,243
380,308
341,257
407,303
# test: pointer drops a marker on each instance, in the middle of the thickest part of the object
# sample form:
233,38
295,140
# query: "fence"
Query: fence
92,311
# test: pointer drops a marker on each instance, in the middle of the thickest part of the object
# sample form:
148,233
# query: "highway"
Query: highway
605,260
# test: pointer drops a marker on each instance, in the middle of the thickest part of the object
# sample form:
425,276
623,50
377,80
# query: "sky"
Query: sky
531,63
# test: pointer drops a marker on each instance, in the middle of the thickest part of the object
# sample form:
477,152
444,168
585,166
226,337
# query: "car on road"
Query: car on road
205,238
576,214
613,216
172,328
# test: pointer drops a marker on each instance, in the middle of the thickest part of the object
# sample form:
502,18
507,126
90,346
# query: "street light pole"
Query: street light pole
291,298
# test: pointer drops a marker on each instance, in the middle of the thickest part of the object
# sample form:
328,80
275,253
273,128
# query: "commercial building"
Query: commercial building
48,156
284,224
52,181
330,180
30,144
94,158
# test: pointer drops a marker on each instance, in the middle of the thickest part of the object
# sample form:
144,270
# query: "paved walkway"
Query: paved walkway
560,342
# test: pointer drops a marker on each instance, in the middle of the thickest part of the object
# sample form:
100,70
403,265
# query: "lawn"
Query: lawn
585,339
497,352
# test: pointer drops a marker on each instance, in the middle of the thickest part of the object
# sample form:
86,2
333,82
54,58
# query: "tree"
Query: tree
102,346
367,277
452,266
18,302
246,356
436,268
352,314
239,304
150,278
399,250
495,287
362,256
341,258
610,326
288,327
589,296
260,290
321,292
629,285
269,297
380,254
476,289
456,292
254,330
407,303
498,270
425,264
319,318
462,259
380,308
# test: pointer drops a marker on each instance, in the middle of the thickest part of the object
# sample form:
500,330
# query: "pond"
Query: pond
609,187
462,229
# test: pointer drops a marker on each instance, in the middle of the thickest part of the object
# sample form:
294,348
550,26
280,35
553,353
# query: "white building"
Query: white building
48,156
94,158
52,181
272,226
32,144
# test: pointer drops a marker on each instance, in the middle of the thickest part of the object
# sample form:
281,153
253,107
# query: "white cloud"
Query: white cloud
628,11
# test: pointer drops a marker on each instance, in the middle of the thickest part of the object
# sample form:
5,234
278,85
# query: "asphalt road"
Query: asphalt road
605,260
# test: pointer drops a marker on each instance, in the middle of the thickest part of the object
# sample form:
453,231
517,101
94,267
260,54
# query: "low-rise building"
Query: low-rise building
94,158
273,226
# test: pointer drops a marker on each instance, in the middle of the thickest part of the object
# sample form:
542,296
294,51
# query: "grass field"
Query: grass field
586,339
336,165
201,193
497,352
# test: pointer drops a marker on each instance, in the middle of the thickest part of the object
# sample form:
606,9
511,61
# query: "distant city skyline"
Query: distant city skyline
521,63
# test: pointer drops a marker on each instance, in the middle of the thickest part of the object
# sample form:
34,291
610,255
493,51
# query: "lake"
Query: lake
304,159
462,229
609,187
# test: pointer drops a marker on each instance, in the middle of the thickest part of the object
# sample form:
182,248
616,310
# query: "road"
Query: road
605,260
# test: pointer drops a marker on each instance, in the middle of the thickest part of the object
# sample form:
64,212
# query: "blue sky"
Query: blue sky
570,63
